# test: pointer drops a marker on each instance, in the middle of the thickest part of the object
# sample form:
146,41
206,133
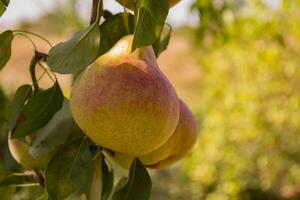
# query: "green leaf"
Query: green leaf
102,181
95,188
43,197
107,179
121,183
2,103
11,180
7,193
152,16
5,45
14,180
77,53
138,186
39,110
59,130
69,171
17,104
3,6
114,28
162,43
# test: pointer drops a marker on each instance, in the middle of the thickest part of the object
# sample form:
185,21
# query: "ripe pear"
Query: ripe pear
123,102
39,147
20,152
176,148
130,5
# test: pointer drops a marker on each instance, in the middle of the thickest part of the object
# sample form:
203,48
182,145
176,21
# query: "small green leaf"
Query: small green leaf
77,53
95,189
43,197
107,179
13,180
114,28
121,183
59,130
102,182
162,43
138,186
69,171
17,104
152,16
39,110
3,6
5,46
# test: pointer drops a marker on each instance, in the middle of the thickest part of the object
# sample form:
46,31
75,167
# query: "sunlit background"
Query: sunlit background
236,63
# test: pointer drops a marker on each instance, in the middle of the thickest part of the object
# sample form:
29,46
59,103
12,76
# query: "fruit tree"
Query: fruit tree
122,111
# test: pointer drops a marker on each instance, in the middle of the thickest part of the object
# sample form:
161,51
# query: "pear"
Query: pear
20,152
176,148
39,147
129,3
123,102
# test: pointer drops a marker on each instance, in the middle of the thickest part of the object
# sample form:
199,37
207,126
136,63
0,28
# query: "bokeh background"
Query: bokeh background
236,63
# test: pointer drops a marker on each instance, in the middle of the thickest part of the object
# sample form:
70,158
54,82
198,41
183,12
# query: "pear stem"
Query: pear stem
35,59
136,15
32,74
39,177
97,10
94,11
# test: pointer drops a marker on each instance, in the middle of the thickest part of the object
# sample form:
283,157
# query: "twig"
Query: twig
34,34
32,74
94,11
35,59
42,65
39,177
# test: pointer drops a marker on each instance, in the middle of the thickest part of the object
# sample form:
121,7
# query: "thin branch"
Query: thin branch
32,74
35,34
42,75
99,11
39,177
29,38
41,64
94,11
38,56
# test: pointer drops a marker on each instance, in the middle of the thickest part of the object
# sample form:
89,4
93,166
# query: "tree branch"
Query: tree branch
94,11
37,57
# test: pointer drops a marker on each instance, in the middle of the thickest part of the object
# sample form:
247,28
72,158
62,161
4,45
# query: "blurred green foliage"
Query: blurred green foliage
249,146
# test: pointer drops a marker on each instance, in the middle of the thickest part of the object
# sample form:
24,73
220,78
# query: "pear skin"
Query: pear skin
20,152
123,102
129,4
41,149
176,148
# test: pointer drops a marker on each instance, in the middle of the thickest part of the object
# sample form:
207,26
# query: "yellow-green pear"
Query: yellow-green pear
176,148
130,3
123,101
39,147
20,152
